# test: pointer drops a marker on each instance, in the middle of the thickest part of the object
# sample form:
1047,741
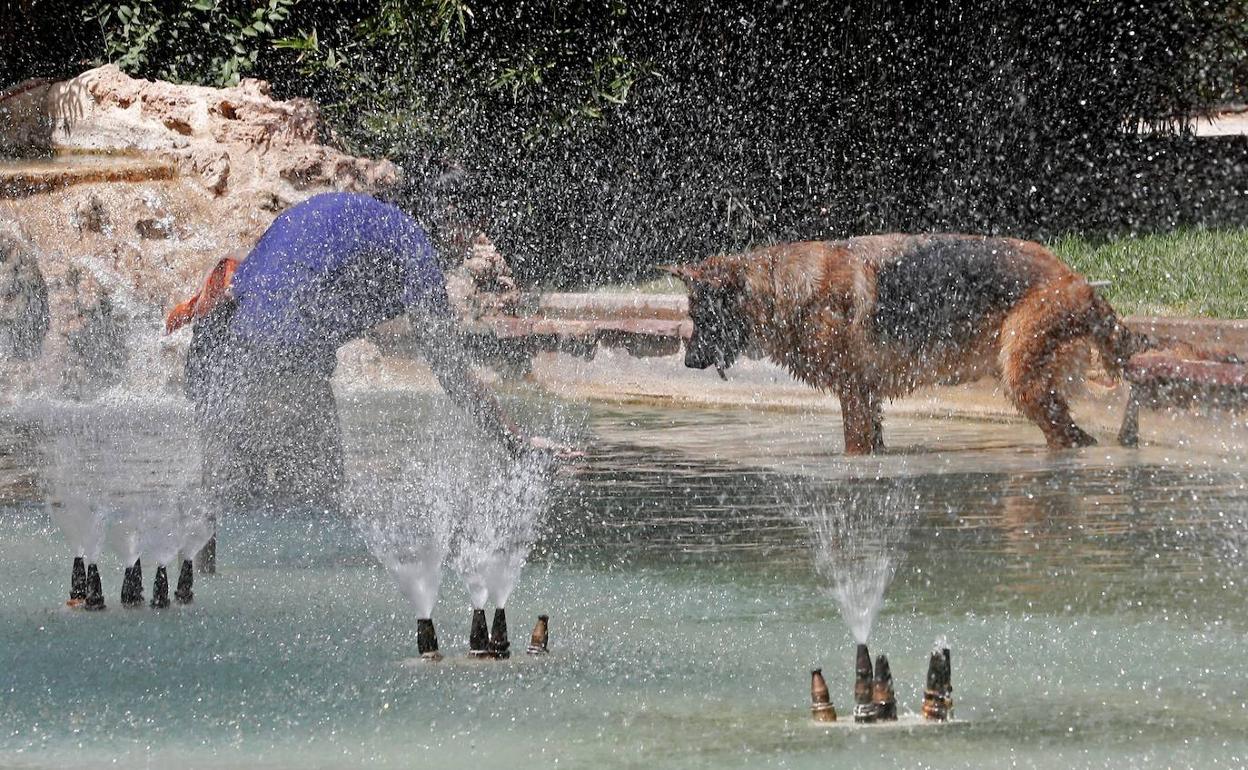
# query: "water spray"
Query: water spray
884,699
821,708
132,585
499,645
539,642
478,635
95,589
427,639
78,584
186,582
160,588
864,689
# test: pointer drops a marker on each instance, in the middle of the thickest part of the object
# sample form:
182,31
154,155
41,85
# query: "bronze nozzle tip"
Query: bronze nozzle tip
864,691
539,642
132,585
499,644
95,589
935,703
821,708
882,692
78,583
478,635
862,662
186,581
160,588
427,639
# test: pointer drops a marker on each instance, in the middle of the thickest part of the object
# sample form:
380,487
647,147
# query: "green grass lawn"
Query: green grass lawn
1183,273
1186,272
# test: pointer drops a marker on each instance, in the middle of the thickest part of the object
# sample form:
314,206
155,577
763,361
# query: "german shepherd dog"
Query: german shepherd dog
875,317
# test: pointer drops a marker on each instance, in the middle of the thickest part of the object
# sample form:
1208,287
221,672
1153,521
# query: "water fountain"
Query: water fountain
125,536
161,539
493,542
858,542
79,519
197,530
83,527
674,556
408,523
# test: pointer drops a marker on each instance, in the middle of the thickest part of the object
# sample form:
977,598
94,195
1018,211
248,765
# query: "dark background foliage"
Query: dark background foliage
596,138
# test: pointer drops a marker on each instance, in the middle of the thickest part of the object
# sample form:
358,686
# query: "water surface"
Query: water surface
1094,602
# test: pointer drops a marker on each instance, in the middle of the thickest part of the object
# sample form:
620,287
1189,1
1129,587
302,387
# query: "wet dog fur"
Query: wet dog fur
874,317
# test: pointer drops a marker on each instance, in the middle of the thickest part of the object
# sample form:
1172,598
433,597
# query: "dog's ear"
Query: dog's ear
686,273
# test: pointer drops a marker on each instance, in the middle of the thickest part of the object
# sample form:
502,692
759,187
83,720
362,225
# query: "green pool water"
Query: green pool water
1094,602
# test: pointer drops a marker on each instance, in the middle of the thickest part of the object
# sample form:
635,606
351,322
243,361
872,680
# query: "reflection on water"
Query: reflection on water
1094,602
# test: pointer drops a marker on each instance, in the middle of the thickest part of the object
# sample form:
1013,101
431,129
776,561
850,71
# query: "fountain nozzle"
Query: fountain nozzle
938,694
864,702
539,642
427,639
882,695
499,645
132,585
78,584
478,635
186,580
160,588
821,708
95,589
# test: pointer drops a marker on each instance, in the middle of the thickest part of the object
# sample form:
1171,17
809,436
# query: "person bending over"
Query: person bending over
266,331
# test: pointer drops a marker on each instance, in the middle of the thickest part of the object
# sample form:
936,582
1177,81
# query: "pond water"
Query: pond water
1094,602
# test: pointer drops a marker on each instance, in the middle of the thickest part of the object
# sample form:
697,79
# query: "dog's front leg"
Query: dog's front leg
859,417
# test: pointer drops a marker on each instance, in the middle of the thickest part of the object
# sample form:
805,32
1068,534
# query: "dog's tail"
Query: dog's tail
1117,344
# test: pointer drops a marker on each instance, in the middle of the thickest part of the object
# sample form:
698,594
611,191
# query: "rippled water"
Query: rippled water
1094,602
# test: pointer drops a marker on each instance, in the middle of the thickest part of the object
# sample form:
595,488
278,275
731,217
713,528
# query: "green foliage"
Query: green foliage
214,42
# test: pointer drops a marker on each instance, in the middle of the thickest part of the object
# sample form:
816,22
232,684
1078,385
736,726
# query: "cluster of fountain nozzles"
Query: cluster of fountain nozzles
873,690
484,642
86,591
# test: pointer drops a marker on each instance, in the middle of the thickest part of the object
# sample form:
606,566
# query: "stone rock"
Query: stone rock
240,135
24,315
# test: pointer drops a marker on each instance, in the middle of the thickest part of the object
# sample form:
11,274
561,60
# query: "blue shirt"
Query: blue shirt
328,270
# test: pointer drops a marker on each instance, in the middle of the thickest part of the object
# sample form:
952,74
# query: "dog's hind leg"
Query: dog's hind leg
860,415
1036,337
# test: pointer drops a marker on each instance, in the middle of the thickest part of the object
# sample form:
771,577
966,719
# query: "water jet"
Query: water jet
821,708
